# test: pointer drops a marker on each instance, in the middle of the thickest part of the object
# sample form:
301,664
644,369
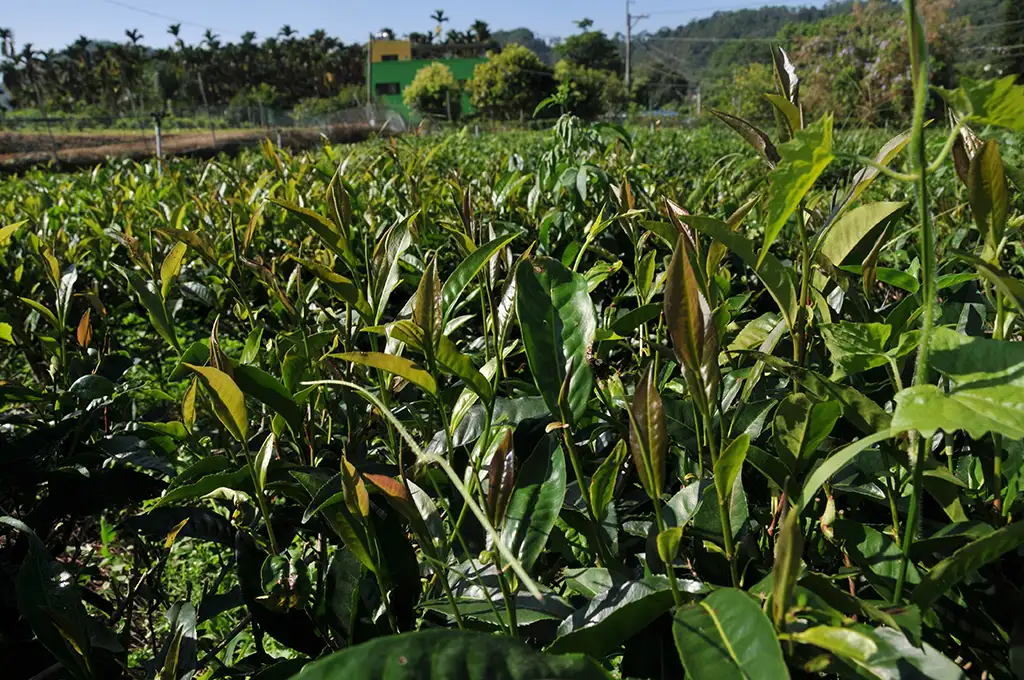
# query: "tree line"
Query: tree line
848,51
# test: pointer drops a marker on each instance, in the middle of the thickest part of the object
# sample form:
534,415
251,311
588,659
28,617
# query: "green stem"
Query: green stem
669,569
947,147
805,276
919,70
260,500
872,163
574,458
723,507
510,603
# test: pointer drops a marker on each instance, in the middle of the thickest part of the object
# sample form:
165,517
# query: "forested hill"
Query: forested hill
693,46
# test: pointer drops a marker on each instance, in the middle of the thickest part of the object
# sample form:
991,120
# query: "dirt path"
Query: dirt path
19,151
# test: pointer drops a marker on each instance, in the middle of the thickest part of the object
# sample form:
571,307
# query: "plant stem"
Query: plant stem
723,506
669,569
926,238
570,447
260,500
510,603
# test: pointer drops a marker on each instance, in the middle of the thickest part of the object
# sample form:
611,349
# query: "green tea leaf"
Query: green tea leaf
857,227
729,464
426,311
602,484
443,654
329,233
648,434
228,400
668,544
265,388
617,614
965,561
154,305
400,366
881,652
989,102
262,461
789,551
836,462
726,635
989,193
976,410
800,427
171,267
467,270
535,504
558,323
804,158
459,364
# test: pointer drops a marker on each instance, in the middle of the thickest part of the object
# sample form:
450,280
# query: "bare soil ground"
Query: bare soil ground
20,151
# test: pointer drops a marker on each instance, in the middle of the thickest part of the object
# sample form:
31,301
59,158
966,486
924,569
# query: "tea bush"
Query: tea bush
579,404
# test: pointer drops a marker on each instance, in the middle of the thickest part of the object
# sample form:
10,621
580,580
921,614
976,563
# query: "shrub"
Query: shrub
587,92
434,92
510,84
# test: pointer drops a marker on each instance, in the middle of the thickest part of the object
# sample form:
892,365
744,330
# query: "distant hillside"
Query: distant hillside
691,49
526,38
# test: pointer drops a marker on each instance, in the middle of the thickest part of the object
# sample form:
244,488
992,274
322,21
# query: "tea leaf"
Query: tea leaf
617,614
726,635
769,269
648,435
729,464
558,323
989,193
467,270
976,410
535,504
400,366
804,158
171,267
800,427
228,400
469,655
965,561
602,484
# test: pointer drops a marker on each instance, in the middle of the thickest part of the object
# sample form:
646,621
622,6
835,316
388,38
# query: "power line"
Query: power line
999,24
713,8
166,17
708,40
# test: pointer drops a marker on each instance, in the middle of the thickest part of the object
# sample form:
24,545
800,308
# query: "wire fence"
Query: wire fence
27,138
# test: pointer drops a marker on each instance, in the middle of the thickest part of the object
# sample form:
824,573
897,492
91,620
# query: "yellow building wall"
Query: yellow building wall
381,48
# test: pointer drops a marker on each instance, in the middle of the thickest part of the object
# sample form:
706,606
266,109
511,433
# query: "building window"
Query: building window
388,88
389,57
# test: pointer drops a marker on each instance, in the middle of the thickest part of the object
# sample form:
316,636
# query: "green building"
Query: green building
394,63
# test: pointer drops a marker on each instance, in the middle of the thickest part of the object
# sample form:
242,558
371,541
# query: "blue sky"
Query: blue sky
54,23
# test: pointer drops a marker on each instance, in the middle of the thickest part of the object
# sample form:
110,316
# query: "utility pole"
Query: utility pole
631,21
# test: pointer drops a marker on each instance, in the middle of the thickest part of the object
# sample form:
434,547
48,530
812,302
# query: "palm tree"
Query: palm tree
584,24
287,31
134,36
248,38
175,30
7,43
481,30
211,40
440,18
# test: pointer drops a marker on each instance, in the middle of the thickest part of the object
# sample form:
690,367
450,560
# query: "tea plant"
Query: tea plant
585,404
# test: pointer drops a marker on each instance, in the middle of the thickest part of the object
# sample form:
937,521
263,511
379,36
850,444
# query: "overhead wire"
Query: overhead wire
167,17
